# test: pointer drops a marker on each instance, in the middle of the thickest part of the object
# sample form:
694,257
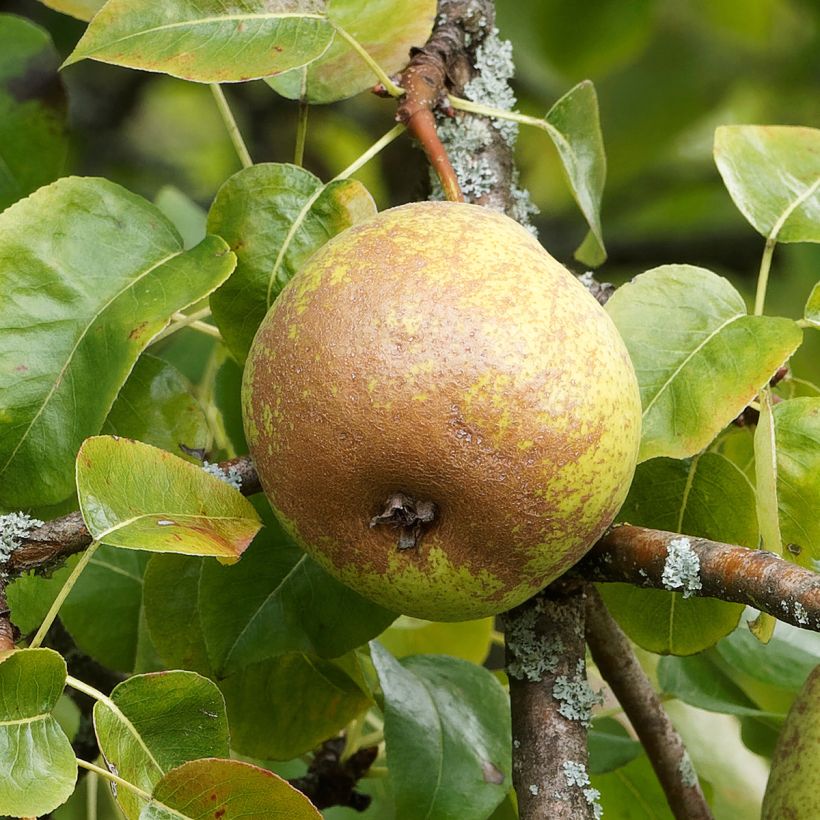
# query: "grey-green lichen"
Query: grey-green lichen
688,775
230,476
576,776
13,528
469,138
576,696
800,613
531,655
681,570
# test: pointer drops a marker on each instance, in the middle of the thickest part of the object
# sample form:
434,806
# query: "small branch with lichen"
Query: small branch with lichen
696,566
616,661
631,555
425,82
551,705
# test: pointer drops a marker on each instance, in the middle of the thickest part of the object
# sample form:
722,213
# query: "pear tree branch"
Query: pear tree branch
630,555
763,580
616,661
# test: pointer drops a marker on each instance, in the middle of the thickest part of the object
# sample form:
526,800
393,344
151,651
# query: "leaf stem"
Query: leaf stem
392,89
204,327
353,733
91,795
63,594
379,145
179,321
371,739
771,241
763,275
497,113
231,126
92,767
376,772
94,694
301,133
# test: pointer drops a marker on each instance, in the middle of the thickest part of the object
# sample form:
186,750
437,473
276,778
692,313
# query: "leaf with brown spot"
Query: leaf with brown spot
239,790
89,273
387,31
207,41
447,729
136,496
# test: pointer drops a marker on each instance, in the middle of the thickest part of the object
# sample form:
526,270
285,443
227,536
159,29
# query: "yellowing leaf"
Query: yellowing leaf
136,496
699,358
207,41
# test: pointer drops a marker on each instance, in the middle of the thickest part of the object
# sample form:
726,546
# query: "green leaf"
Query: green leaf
188,218
574,126
470,640
207,41
103,612
699,358
286,706
610,746
81,9
785,662
447,728
797,450
226,789
227,397
33,141
773,175
274,216
136,496
278,600
171,598
30,596
632,792
387,31
39,771
90,274
154,723
708,497
812,311
697,681
157,406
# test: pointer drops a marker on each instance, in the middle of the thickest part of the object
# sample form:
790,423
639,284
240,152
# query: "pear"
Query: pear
793,790
440,413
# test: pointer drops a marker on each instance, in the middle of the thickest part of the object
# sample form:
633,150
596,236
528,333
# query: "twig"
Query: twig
442,65
636,555
550,703
619,667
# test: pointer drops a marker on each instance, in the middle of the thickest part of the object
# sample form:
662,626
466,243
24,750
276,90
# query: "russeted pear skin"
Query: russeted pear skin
437,355
793,790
